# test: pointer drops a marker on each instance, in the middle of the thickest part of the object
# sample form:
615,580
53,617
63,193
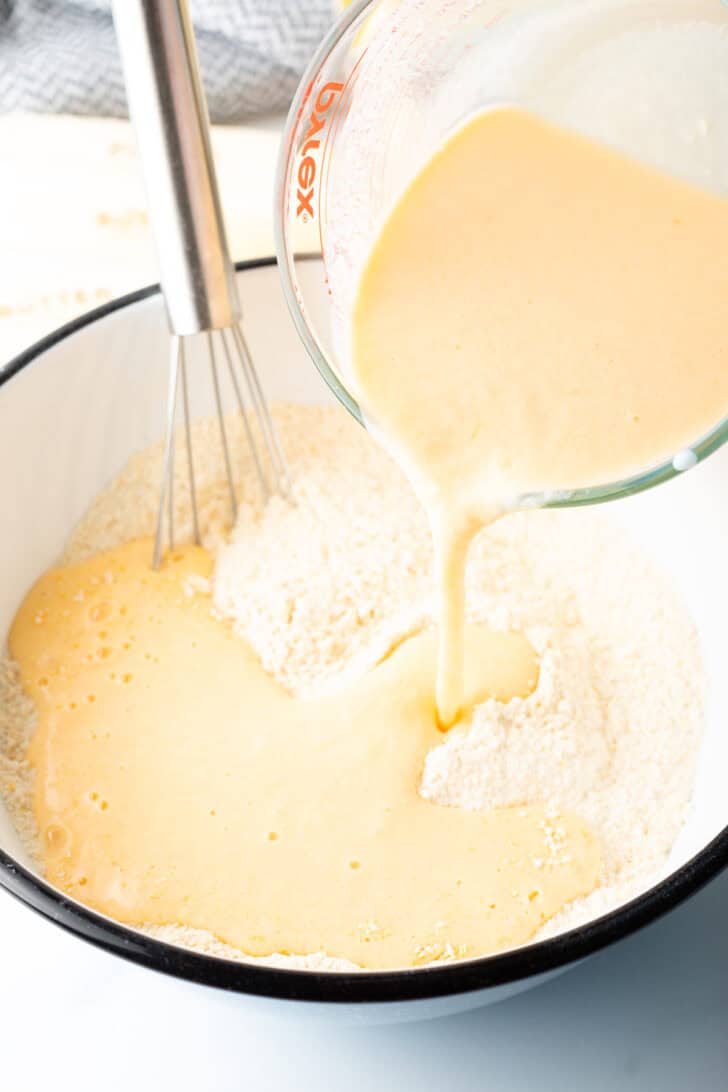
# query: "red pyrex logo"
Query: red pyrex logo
311,143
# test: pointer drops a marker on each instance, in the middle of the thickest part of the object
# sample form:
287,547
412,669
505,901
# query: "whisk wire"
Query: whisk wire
170,492
221,422
260,404
270,466
265,488
188,443
166,492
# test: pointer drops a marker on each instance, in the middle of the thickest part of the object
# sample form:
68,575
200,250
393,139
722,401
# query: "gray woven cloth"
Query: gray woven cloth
60,56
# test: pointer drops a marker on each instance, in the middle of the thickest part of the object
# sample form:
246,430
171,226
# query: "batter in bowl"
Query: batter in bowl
148,698
306,602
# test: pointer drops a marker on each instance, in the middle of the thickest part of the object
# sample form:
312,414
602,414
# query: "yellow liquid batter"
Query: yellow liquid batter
177,782
538,313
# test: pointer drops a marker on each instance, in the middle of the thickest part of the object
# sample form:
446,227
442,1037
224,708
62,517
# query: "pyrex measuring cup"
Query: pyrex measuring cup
395,77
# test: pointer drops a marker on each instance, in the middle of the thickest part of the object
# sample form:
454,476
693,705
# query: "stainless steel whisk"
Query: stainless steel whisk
169,113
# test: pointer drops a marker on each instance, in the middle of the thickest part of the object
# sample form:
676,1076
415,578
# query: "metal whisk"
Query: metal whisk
168,109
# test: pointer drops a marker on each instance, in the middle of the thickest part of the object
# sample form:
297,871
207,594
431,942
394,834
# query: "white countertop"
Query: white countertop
648,1014
73,226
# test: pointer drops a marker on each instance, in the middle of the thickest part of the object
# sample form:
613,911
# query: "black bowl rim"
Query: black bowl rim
336,986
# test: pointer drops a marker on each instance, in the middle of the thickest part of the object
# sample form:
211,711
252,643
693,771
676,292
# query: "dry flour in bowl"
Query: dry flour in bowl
325,589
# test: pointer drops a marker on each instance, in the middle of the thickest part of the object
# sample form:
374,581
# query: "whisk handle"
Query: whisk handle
167,106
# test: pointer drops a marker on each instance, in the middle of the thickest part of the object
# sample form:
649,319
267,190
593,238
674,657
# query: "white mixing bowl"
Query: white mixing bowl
73,409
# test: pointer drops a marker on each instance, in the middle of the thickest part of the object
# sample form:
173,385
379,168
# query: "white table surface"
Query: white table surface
74,231
649,1014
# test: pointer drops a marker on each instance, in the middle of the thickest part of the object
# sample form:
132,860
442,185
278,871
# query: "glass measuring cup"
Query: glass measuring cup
396,77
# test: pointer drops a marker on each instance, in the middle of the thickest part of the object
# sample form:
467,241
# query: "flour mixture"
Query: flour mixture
566,782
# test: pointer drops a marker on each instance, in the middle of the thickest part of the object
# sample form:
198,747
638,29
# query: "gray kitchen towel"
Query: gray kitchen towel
60,56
